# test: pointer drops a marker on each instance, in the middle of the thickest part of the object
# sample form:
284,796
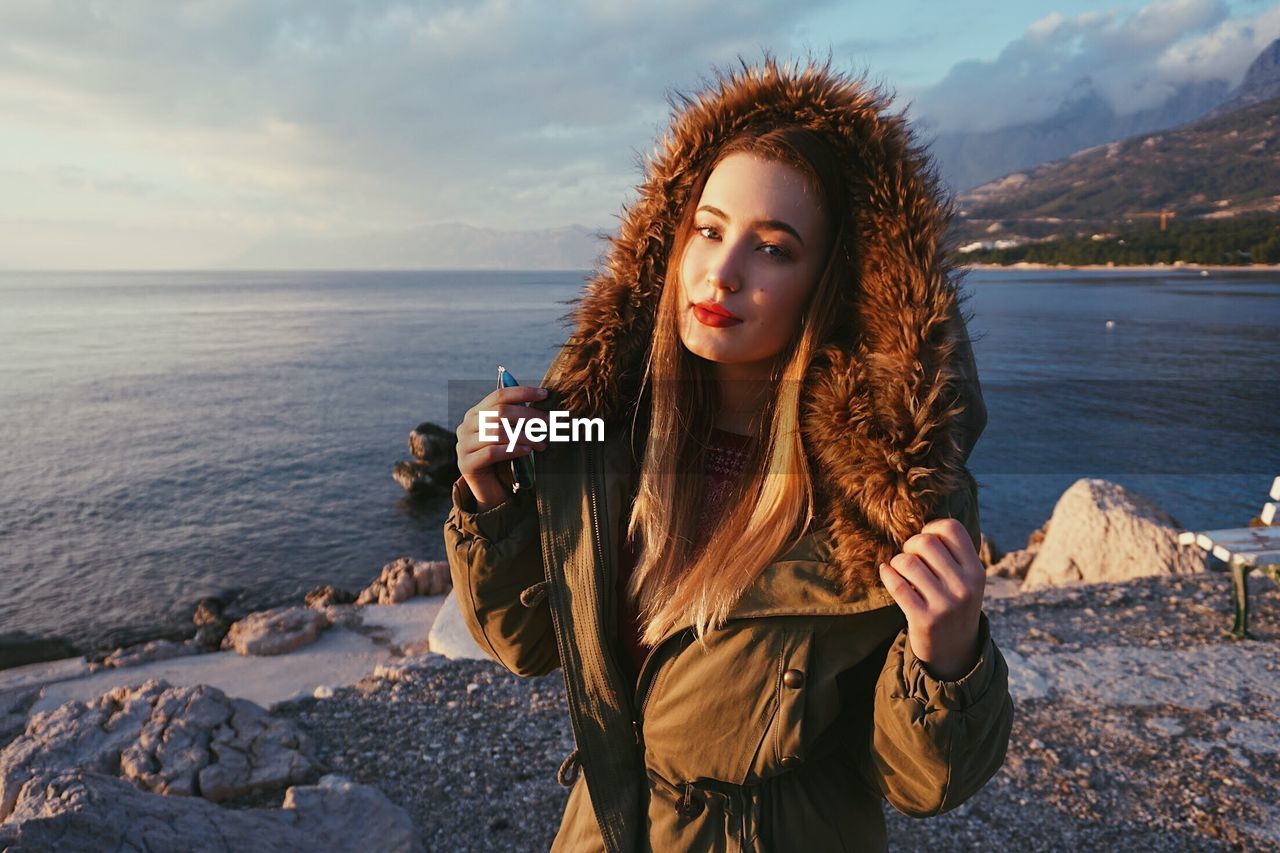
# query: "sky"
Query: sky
173,134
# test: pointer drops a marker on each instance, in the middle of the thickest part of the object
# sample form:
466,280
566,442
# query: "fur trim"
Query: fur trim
890,410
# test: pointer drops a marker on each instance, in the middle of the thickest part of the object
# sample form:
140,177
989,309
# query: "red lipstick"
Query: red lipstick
714,314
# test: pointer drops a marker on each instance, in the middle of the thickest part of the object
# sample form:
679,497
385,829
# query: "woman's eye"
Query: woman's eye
778,253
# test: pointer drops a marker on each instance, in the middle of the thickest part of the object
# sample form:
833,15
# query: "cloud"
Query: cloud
382,114
219,122
363,82
1134,61
1220,53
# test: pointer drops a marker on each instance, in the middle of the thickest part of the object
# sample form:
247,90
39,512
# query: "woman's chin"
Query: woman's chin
712,344
713,354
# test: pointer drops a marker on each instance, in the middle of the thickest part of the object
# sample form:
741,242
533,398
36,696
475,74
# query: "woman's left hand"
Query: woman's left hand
938,581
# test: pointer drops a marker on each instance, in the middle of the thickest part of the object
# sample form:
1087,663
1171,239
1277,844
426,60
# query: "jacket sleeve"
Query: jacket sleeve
935,743
494,556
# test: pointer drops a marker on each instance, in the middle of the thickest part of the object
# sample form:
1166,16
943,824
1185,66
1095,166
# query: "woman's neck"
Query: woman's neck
744,393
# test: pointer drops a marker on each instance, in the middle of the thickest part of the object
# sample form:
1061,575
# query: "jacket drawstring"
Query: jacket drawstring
534,595
688,807
568,772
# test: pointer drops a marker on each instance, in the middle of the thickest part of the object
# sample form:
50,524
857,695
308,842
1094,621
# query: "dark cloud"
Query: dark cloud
1134,61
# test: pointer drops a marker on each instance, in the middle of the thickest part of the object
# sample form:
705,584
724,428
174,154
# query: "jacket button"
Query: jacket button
790,761
793,678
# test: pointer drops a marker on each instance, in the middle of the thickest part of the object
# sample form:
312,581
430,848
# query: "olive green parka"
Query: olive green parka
808,707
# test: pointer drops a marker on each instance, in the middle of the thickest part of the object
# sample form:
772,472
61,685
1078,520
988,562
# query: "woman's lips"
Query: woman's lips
710,318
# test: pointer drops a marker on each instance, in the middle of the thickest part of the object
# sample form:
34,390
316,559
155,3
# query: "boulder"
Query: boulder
82,810
327,596
1013,565
449,636
406,577
1101,532
351,816
275,632
431,577
211,623
416,479
145,653
434,466
191,741
344,615
433,444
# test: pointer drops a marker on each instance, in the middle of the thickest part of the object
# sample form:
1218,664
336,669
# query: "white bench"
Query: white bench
1245,549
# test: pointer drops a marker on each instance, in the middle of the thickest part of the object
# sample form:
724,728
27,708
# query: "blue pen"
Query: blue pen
521,466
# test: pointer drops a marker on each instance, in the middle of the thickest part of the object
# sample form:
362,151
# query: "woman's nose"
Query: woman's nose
724,273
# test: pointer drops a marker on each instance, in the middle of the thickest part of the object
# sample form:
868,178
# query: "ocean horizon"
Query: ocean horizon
179,434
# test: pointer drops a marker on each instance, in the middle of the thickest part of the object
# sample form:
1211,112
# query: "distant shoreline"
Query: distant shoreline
1026,265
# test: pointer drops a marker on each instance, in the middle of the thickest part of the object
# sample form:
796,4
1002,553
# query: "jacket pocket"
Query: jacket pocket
783,745
712,712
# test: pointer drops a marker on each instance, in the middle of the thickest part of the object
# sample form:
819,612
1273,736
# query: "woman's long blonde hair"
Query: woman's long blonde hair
772,504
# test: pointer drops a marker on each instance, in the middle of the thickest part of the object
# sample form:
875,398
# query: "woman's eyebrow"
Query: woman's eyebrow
775,224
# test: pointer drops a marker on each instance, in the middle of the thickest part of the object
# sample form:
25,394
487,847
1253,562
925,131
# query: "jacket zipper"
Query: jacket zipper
593,489
602,555
638,702
642,698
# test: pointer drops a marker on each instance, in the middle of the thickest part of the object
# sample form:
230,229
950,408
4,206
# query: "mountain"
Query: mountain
1214,168
1083,119
442,246
1261,82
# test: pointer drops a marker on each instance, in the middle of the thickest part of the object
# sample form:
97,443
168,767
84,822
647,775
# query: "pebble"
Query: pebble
1166,726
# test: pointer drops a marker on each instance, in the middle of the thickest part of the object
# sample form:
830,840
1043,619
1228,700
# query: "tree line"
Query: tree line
1237,241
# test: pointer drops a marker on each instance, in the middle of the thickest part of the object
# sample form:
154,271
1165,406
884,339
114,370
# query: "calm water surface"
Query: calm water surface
175,435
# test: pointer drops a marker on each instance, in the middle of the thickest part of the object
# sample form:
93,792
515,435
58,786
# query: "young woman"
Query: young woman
762,586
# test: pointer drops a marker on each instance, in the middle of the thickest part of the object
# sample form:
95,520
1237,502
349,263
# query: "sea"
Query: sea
166,436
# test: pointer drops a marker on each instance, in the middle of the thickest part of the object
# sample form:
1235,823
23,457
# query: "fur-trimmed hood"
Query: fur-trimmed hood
891,406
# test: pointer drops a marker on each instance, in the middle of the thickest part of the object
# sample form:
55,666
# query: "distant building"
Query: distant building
980,245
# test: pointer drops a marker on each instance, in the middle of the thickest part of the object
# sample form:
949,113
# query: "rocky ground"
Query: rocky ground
1168,740
469,750
1139,725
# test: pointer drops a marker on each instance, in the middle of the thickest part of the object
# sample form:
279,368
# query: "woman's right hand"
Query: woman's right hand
477,458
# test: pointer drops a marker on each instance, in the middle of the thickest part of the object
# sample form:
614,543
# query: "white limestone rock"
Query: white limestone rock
85,811
449,635
145,653
191,741
276,632
1100,532
405,578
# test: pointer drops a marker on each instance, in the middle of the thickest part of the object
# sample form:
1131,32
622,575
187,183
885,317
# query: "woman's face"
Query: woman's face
760,241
